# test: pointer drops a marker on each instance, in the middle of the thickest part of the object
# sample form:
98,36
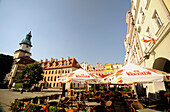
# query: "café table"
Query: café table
147,110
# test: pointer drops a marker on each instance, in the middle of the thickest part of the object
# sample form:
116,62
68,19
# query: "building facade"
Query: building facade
84,66
108,69
148,38
90,69
21,59
54,69
116,67
99,69
149,21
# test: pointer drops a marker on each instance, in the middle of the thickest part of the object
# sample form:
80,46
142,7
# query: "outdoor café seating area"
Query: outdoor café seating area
93,101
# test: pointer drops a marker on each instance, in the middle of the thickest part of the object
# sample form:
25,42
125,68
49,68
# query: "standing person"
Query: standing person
22,91
42,88
32,89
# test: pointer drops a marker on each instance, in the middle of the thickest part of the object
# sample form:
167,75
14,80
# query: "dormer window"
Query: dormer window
65,63
48,65
54,64
77,64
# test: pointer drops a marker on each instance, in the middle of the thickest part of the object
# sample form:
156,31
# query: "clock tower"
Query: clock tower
24,48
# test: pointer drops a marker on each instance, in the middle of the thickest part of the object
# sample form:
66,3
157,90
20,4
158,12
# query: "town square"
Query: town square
85,56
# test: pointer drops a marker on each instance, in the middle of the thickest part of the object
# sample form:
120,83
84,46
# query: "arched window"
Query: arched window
51,78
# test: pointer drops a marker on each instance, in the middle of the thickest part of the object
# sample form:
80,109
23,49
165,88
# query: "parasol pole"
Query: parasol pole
79,92
135,91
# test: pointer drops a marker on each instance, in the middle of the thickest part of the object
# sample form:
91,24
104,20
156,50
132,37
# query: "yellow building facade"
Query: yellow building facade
90,69
108,69
54,69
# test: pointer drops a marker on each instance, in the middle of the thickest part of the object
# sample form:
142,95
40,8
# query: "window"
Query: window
64,63
53,65
46,72
55,78
68,71
51,78
48,66
52,72
45,79
56,72
58,76
48,78
157,19
149,32
49,72
54,85
59,72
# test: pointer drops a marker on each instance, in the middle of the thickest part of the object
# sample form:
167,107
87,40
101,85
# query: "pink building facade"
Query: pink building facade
99,69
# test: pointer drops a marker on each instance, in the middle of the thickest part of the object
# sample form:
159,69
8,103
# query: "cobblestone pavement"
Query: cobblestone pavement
7,95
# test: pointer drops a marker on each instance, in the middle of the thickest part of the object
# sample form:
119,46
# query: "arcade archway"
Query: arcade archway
162,64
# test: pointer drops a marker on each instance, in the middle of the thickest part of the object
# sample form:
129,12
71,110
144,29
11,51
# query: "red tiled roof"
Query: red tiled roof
25,60
73,63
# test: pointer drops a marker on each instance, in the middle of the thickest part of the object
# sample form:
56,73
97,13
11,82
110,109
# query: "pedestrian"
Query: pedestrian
22,91
32,89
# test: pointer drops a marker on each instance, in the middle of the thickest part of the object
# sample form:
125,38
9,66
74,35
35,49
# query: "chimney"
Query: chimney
46,60
56,60
62,58
41,61
68,58
51,60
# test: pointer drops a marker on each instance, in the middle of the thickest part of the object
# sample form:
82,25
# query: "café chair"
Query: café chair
136,106
108,106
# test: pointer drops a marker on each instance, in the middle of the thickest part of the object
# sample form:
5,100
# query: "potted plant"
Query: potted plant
167,94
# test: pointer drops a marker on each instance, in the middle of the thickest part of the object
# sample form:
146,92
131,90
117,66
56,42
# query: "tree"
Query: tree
6,62
32,73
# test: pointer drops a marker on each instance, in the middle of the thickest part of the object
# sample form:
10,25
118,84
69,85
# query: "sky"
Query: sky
90,31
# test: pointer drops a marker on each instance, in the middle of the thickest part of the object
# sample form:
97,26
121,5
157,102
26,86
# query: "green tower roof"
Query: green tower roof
27,40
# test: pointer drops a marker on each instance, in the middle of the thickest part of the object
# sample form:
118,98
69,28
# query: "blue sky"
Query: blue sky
89,30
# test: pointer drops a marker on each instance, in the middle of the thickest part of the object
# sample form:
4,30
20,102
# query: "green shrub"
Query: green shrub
18,85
